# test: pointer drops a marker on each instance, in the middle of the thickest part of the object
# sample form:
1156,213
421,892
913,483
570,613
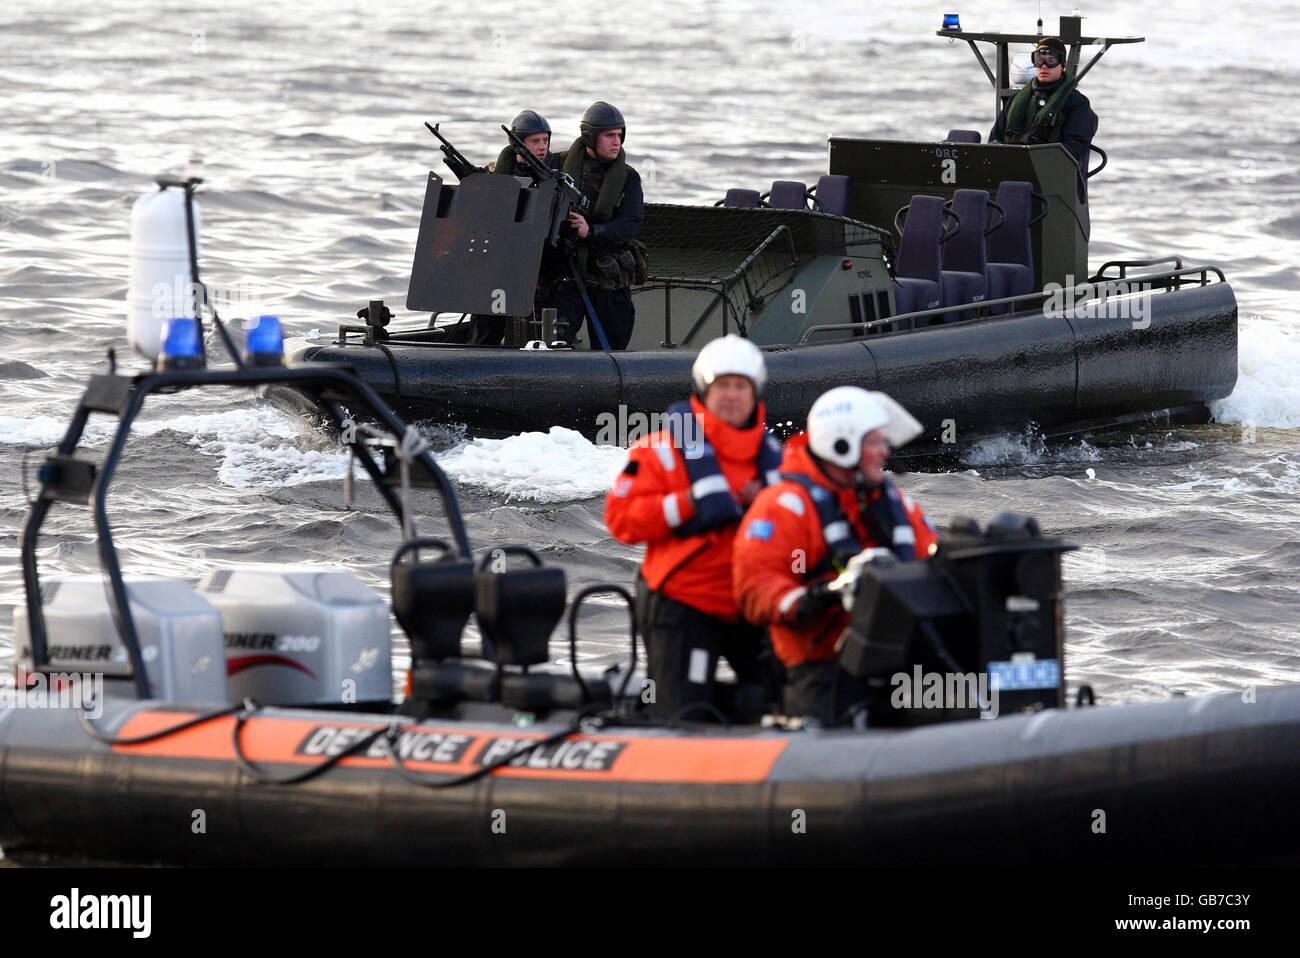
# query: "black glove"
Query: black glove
815,601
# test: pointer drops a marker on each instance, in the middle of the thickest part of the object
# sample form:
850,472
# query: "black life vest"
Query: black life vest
886,514
715,506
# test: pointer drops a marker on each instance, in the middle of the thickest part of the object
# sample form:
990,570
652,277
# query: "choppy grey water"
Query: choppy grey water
309,117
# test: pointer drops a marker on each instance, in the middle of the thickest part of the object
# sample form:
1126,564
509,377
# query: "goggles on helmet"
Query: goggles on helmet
1045,56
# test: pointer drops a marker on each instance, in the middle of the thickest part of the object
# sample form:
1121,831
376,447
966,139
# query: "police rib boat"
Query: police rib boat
951,274
251,718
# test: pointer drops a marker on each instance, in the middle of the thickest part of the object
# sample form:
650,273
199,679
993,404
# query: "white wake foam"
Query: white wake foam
555,466
1025,449
261,447
37,432
1268,378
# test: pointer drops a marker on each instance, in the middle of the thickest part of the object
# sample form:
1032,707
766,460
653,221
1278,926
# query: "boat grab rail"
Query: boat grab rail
66,479
1170,279
573,635
1125,264
1168,282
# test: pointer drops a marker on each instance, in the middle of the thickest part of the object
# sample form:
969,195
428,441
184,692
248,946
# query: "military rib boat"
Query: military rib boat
252,718
951,274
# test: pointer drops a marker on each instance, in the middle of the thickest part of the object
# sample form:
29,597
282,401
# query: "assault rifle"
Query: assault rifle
455,158
568,198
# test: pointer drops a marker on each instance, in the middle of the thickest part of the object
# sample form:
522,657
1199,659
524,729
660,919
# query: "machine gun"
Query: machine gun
568,198
455,158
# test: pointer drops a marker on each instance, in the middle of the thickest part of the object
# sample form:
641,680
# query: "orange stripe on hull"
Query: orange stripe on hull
712,761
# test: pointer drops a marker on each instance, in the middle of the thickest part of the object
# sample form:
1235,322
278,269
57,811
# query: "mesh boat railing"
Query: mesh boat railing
741,256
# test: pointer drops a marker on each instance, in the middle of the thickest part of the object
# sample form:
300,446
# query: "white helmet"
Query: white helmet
840,418
731,355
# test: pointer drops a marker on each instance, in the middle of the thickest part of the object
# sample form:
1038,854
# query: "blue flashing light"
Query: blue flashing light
182,345
951,21
264,344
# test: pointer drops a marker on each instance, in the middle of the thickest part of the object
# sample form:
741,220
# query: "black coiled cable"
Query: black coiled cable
107,739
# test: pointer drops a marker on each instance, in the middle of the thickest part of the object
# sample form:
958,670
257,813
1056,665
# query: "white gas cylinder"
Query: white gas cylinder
160,267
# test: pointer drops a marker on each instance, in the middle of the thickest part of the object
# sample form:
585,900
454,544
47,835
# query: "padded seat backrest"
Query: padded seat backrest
517,611
918,249
432,600
1010,242
965,251
788,195
745,199
963,136
833,194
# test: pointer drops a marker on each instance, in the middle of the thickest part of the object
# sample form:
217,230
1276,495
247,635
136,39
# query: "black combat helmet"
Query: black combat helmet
528,123
600,116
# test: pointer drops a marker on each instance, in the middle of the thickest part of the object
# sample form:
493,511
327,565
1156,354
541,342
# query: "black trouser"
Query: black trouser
684,645
489,329
486,329
613,308
822,690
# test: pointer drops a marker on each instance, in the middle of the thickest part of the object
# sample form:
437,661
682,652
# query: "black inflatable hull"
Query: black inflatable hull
963,381
1207,781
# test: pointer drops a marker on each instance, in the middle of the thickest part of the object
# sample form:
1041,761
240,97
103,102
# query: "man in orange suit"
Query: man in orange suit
834,501
683,492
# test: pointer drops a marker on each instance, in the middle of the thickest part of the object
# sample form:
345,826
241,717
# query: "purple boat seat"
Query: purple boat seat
918,274
832,194
1010,249
746,199
965,261
788,195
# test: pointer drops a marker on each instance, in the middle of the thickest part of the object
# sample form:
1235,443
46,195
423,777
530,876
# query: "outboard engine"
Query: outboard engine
302,636
978,629
179,631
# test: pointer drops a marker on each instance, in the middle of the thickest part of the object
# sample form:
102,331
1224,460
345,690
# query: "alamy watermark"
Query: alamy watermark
180,298
944,690
77,911
57,690
673,429
1109,299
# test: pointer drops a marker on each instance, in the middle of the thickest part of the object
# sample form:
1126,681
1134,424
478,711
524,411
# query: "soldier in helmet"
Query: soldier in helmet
833,501
606,257
531,127
683,492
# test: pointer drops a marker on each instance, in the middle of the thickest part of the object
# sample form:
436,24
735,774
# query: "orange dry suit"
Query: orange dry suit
681,498
804,529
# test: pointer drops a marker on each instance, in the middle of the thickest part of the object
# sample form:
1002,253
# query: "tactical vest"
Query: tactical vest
715,506
506,163
603,185
603,192
887,513
1029,123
